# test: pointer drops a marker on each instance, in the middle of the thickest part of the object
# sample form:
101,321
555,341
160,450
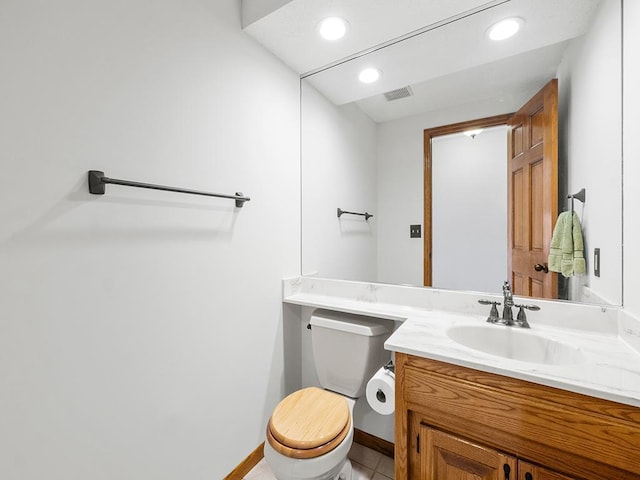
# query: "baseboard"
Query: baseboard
374,443
363,438
247,464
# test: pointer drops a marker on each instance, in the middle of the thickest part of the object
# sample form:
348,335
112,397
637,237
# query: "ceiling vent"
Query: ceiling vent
399,93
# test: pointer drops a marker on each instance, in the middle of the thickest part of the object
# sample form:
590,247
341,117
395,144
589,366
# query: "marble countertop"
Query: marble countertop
608,368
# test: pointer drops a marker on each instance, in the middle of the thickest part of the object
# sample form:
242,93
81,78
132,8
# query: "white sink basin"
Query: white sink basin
515,344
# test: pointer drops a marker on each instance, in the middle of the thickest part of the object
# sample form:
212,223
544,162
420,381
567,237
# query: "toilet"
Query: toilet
310,432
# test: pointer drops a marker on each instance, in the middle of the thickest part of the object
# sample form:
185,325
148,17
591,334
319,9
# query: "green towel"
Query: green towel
567,248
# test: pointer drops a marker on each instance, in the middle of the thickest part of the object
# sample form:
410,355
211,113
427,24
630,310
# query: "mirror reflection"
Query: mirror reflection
475,201
363,150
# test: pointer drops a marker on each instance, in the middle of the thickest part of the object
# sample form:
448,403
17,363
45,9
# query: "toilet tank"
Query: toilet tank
348,349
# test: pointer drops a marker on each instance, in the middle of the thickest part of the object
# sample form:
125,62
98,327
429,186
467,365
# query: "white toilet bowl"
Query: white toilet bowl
330,466
316,412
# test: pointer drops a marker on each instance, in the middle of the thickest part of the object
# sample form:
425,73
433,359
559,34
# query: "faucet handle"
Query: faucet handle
533,308
482,301
521,319
493,314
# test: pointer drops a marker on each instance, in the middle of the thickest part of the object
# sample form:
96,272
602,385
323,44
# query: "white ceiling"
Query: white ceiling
449,64
290,31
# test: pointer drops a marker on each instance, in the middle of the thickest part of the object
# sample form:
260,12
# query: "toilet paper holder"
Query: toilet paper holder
390,366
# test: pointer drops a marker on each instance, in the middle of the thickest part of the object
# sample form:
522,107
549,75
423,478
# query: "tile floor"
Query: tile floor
367,465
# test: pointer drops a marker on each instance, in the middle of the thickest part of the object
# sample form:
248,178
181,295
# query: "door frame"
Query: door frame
429,134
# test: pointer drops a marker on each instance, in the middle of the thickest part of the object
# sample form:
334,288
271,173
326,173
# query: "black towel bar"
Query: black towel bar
97,182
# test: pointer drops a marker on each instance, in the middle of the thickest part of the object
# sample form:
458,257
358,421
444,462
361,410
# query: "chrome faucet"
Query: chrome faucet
507,312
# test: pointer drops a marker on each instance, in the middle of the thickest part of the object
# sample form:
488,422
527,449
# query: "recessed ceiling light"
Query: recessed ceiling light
333,28
505,28
369,75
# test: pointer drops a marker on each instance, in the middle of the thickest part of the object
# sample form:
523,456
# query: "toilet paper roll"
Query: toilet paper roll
381,392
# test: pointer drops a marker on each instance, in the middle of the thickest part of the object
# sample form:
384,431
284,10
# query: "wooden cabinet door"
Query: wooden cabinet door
527,471
446,457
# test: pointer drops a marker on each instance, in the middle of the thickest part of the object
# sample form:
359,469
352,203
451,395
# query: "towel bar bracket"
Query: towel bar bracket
95,182
366,215
581,196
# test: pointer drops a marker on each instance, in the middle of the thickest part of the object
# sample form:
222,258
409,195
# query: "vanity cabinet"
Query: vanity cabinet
460,423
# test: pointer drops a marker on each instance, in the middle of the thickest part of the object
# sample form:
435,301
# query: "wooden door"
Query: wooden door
532,142
527,471
446,457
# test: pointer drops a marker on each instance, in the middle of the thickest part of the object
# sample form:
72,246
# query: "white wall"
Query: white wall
631,149
141,332
469,211
400,203
339,171
254,10
590,146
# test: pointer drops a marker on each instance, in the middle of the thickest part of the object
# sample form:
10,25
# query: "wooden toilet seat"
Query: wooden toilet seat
309,423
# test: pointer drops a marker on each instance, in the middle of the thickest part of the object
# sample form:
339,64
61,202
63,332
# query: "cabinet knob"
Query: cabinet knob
528,476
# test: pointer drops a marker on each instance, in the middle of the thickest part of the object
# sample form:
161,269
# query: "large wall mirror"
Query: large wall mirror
363,148
363,145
